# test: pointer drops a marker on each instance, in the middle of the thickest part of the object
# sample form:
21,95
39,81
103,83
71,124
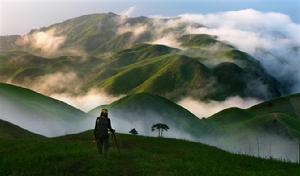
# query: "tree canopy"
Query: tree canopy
160,127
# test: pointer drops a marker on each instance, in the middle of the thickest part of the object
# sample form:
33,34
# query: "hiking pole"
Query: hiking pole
115,141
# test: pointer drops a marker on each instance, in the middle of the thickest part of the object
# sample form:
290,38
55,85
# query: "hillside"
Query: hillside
77,155
11,131
287,104
156,69
38,113
119,55
271,126
279,114
142,110
8,42
233,129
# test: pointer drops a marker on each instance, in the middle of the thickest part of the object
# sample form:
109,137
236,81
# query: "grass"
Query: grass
276,116
124,66
77,155
33,102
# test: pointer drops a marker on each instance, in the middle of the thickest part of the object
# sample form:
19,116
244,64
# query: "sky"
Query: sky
20,16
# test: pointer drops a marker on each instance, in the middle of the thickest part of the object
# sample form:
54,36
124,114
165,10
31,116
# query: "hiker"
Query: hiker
101,132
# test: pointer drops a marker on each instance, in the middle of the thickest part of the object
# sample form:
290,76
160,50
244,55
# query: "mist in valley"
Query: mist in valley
256,144
253,143
275,46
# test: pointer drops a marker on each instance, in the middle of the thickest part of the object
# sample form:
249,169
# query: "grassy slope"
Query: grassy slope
11,131
172,74
129,71
233,122
8,42
24,68
77,155
276,116
288,104
141,106
32,102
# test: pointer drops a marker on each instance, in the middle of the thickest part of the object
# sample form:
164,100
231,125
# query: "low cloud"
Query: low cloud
56,82
65,86
87,101
270,37
168,40
205,109
135,29
46,41
128,12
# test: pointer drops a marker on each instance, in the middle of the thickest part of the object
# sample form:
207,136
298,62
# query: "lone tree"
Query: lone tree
160,127
133,132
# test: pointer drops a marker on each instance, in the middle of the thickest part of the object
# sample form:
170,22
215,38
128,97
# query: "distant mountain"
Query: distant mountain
11,131
9,42
38,113
114,53
175,75
144,68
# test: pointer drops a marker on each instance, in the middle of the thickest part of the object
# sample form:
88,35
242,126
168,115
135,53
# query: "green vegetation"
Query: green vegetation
39,113
277,116
25,101
118,60
77,155
133,131
151,109
160,128
233,122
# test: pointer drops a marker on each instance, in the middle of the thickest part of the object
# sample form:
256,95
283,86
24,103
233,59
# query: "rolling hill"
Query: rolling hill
142,110
157,69
236,130
38,113
120,55
11,131
233,129
279,115
266,128
77,155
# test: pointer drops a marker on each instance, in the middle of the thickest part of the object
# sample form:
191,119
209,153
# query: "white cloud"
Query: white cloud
272,38
55,82
128,12
205,109
168,40
47,41
87,101
137,30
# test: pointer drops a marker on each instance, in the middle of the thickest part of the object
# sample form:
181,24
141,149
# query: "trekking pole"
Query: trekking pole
116,142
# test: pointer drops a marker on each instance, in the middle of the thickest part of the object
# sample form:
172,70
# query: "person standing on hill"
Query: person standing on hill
101,132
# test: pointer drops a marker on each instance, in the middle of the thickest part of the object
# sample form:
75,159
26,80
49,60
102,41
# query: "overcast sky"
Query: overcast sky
20,16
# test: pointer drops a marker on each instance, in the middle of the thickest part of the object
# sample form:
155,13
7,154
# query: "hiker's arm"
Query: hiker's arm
95,129
109,127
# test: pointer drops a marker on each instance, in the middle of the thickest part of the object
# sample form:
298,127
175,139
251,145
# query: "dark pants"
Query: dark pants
102,145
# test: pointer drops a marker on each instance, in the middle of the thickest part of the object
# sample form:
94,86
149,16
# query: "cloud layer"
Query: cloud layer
205,109
272,38
46,41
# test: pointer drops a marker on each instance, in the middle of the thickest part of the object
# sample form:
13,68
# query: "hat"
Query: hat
104,110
